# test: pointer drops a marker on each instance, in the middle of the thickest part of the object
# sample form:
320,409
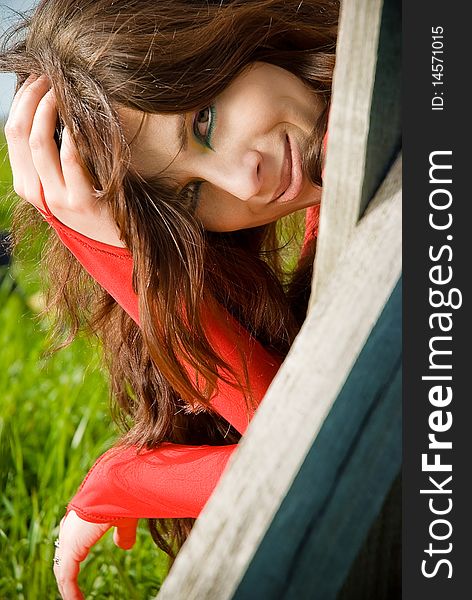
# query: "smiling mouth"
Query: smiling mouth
292,179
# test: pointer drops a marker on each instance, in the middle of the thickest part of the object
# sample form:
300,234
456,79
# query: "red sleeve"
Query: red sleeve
110,266
168,482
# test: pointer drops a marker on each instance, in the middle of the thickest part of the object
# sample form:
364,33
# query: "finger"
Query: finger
76,537
17,131
44,151
21,89
67,571
67,575
57,575
76,177
125,536
28,96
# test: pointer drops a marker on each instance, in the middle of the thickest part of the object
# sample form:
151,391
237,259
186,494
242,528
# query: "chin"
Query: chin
310,196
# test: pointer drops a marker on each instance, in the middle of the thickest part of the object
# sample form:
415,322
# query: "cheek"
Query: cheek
217,219
224,213
250,107
267,95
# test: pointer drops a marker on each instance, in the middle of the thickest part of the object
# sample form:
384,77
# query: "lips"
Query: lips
291,180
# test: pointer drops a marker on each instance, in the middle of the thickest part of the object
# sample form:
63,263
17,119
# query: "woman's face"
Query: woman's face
237,162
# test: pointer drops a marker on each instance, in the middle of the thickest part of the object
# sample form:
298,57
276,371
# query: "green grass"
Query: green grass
54,422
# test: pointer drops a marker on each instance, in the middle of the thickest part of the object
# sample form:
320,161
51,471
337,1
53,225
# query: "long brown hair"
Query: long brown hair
161,56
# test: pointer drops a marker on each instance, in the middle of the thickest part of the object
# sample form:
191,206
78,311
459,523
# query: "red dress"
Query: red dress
173,480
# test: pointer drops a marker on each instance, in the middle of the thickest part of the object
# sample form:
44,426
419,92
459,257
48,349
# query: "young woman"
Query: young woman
163,142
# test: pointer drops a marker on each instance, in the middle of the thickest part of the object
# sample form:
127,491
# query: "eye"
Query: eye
190,195
203,125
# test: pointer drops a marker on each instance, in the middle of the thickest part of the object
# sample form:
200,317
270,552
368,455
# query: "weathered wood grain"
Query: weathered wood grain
338,492
349,124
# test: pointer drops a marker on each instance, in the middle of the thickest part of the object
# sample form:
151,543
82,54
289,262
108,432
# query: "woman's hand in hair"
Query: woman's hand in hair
53,180
76,537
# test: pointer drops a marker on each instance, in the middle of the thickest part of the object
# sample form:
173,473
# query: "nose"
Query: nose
239,175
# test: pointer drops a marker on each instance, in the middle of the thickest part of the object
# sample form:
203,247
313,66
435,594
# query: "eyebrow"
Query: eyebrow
182,133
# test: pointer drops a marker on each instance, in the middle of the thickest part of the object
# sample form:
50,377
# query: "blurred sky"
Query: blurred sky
7,81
